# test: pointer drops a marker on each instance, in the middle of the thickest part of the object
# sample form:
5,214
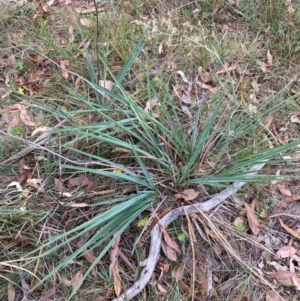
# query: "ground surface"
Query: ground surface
124,130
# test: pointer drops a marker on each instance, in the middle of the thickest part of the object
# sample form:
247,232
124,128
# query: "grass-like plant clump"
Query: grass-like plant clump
184,103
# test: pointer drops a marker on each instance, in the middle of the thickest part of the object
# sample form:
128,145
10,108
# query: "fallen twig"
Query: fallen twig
43,138
156,235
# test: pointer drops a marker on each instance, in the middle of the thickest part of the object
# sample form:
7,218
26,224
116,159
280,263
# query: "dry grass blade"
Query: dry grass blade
192,241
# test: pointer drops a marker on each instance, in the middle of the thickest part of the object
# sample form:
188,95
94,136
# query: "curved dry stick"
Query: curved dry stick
156,236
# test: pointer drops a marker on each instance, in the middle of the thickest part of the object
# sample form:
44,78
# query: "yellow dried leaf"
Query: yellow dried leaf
160,48
172,244
41,129
88,255
289,5
254,223
295,119
269,58
77,205
64,72
185,289
289,20
12,61
71,34
184,78
206,87
239,221
252,107
161,289
169,252
14,122
11,292
77,278
285,252
289,230
85,22
283,190
75,181
23,114
227,68
77,84
117,279
187,195
107,84
286,278
263,67
269,121
151,104
177,271
48,294
59,185
114,254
